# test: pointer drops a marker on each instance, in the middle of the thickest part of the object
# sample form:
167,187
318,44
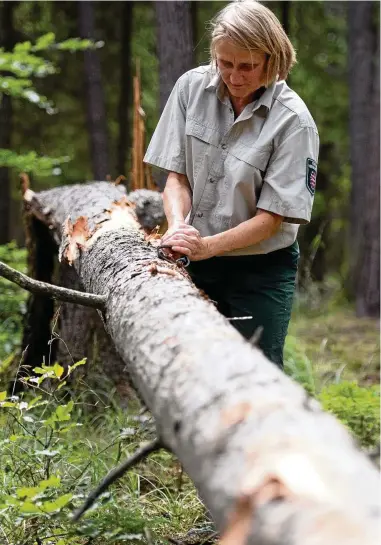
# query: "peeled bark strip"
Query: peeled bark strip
267,461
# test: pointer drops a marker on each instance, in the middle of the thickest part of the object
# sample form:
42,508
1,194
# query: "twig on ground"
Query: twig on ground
57,292
117,472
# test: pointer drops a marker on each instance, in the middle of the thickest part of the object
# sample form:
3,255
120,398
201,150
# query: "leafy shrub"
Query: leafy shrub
50,462
358,408
12,303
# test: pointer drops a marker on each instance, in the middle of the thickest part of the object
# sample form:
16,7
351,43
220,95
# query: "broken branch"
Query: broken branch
116,473
62,294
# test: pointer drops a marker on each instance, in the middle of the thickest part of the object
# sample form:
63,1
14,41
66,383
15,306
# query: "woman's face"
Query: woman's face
242,71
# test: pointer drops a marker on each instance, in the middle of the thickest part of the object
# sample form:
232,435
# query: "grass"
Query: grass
337,344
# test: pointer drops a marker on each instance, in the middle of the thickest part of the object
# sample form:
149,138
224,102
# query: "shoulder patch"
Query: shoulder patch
311,172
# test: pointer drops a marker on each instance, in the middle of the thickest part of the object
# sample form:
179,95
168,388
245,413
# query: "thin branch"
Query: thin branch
57,292
116,473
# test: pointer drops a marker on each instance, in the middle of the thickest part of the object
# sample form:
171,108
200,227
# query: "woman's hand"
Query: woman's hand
187,240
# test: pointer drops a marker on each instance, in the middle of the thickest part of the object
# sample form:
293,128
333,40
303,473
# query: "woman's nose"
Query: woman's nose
235,77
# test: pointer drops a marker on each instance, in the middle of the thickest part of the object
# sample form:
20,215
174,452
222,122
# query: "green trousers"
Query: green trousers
261,286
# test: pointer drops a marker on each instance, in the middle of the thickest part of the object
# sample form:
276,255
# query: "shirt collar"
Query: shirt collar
216,84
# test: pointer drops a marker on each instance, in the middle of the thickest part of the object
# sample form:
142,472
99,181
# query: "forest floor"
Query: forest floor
155,503
338,344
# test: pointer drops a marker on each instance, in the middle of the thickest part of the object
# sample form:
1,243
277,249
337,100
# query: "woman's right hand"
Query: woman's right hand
178,228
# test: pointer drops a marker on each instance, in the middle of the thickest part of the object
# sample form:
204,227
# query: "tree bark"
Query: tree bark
6,41
368,266
364,142
286,8
271,467
125,97
95,104
174,44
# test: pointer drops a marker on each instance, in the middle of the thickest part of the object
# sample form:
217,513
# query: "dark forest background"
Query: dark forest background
67,115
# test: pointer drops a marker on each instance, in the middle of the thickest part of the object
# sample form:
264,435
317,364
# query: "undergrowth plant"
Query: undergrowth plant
50,462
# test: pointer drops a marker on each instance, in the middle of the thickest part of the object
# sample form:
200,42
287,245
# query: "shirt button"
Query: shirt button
223,146
199,214
211,180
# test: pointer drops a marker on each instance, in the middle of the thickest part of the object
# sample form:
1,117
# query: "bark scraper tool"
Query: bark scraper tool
165,252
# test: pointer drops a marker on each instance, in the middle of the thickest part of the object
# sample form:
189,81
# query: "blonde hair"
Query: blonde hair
250,25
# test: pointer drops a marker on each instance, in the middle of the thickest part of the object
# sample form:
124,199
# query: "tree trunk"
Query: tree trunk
77,330
95,104
125,96
36,345
368,266
174,44
271,467
286,7
364,143
6,41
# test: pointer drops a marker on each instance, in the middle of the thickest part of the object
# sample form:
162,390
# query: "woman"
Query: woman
241,149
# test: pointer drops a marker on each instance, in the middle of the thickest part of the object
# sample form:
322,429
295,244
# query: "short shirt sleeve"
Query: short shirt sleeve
290,178
166,149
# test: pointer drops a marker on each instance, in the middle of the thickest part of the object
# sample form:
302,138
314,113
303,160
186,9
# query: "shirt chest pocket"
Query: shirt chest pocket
247,166
202,146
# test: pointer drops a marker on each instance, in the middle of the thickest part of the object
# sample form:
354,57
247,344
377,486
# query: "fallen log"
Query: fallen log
78,330
270,465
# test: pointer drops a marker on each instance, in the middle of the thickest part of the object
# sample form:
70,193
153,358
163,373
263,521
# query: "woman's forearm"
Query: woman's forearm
177,198
263,226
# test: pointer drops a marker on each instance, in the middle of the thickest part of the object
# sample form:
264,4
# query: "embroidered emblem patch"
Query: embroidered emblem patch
311,175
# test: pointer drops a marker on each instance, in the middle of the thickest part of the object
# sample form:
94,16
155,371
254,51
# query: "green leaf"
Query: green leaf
7,404
34,401
76,364
52,482
58,370
3,395
28,492
56,505
63,411
43,369
29,507
44,41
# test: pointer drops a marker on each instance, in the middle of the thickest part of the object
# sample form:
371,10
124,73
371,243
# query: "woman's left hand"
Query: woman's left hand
191,244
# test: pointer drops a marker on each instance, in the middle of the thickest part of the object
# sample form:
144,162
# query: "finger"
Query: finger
183,244
182,250
184,237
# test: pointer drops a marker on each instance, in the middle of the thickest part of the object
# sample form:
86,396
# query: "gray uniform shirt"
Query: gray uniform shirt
266,158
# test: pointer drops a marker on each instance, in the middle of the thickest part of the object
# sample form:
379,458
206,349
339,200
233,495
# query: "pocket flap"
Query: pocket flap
256,157
200,131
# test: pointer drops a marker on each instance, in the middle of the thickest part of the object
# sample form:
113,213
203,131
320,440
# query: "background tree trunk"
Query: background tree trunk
365,157
286,8
37,333
125,96
174,44
6,41
95,104
262,454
